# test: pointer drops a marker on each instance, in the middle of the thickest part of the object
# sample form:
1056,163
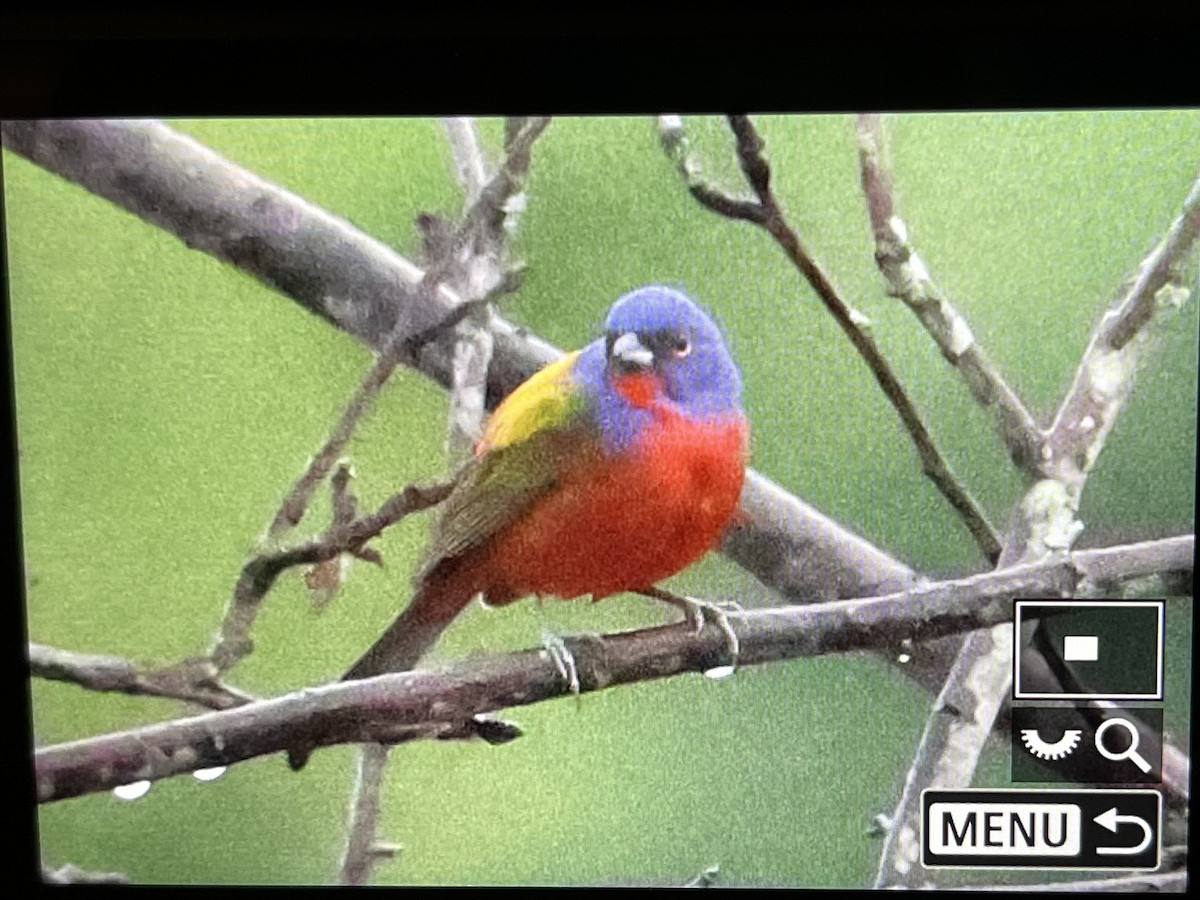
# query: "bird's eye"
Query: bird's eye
682,347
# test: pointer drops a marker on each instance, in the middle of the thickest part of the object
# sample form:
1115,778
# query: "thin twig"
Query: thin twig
474,344
485,217
933,464
474,261
767,213
1106,372
470,166
678,148
189,681
909,280
233,637
362,853
259,573
1045,521
292,510
325,578
1044,527
436,702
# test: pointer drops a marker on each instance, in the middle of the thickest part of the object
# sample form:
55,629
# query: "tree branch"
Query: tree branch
474,261
963,716
435,702
676,145
362,850
1044,526
909,280
259,573
189,681
292,510
1117,347
768,214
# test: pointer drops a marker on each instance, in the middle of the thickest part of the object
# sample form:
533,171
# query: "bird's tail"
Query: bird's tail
410,635
413,632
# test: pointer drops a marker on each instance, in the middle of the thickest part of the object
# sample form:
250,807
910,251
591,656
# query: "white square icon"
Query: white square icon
1131,667
1081,648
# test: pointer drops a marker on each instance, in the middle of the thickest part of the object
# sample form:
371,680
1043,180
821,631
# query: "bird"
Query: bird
606,471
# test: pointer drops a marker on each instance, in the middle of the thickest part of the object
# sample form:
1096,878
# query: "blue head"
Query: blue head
658,334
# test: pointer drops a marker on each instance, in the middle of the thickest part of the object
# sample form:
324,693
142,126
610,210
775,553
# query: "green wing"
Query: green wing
536,436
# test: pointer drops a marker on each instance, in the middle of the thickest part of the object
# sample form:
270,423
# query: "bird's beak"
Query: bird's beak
630,353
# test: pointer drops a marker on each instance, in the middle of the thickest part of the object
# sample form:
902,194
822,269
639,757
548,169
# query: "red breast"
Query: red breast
629,521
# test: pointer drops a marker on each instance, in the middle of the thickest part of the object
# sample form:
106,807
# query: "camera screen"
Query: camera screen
750,500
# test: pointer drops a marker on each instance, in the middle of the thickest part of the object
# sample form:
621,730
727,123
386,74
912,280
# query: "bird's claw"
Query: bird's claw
564,662
702,612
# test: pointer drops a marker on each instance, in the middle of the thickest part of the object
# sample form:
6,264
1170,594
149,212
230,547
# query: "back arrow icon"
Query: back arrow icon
1111,820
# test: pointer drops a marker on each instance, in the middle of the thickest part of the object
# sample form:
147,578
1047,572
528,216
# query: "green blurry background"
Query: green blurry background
165,403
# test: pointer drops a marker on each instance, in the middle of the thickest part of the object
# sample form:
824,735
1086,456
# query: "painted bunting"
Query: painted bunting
606,471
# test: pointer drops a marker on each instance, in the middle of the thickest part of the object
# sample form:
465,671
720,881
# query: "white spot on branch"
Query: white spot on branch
918,272
860,319
1110,373
961,338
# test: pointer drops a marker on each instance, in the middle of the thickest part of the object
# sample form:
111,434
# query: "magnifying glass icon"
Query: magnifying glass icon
1131,752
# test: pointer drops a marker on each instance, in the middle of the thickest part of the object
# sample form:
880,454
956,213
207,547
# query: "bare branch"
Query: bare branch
468,392
1044,527
470,166
963,716
436,702
292,510
362,852
325,578
259,573
675,143
471,261
933,464
474,261
1046,522
909,280
1117,347
768,214
473,348
190,681
319,260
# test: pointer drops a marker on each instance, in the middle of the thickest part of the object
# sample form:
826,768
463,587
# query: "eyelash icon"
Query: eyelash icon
1060,748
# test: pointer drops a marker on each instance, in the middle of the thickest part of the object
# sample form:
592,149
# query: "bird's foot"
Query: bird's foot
702,612
564,661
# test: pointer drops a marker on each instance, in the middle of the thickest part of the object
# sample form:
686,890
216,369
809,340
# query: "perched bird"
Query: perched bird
606,471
